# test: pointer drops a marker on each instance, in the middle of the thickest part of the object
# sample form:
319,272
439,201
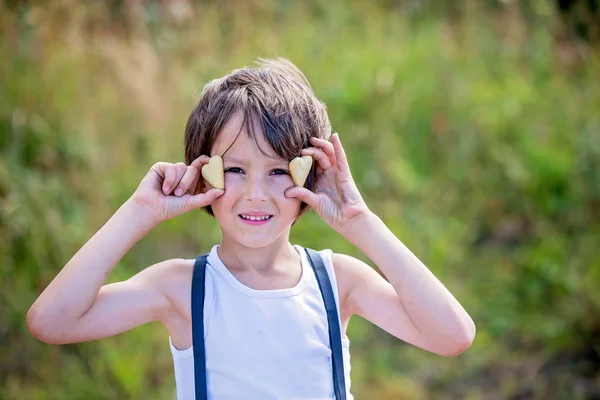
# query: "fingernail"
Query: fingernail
178,192
165,189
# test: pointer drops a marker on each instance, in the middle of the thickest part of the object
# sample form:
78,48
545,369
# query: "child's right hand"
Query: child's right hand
169,190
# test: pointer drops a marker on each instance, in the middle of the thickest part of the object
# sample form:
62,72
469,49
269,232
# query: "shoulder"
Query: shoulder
172,279
352,273
166,273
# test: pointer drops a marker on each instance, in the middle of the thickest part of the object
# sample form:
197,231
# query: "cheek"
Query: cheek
233,179
282,183
221,204
280,187
293,205
288,202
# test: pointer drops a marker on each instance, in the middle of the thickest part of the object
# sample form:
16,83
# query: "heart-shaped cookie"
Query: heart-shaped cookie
213,172
299,168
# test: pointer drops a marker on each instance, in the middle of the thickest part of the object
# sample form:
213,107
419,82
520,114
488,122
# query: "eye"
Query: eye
280,172
235,170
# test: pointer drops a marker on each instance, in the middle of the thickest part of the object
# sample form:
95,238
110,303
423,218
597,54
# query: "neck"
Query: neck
262,260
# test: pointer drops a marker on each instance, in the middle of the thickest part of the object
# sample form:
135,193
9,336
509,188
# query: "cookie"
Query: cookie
299,168
213,172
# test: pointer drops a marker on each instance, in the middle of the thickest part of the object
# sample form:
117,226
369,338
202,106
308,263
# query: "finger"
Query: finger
174,173
319,155
196,187
159,169
326,147
200,161
310,198
170,172
204,199
181,170
340,155
187,181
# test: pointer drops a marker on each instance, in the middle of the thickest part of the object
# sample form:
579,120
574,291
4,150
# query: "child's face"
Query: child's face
254,185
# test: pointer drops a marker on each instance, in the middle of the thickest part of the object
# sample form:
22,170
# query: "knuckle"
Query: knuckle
197,163
159,167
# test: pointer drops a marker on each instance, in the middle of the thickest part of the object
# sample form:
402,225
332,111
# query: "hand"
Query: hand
336,198
169,190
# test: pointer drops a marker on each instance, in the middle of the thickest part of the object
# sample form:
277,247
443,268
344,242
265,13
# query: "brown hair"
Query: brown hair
277,94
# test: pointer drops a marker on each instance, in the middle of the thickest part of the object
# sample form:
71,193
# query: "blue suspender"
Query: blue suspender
198,327
335,339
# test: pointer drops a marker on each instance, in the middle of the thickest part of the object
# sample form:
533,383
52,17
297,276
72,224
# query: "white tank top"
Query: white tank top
264,344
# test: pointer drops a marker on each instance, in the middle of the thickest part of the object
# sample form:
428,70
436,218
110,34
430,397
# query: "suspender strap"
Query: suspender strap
198,327
335,337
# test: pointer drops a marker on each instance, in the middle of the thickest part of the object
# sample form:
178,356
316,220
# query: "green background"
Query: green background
472,129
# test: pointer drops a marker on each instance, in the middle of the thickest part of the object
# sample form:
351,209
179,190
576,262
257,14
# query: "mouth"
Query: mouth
255,219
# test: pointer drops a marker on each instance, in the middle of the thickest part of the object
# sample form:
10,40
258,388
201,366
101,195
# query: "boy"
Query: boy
265,324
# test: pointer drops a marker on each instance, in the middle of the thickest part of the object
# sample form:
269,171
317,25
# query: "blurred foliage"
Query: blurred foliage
472,129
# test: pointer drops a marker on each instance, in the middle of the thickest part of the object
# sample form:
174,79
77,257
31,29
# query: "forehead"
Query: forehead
235,134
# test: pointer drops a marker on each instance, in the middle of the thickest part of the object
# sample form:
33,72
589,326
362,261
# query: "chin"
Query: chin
258,240
253,242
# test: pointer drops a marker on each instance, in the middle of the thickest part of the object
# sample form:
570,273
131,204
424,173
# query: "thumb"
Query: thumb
204,199
303,194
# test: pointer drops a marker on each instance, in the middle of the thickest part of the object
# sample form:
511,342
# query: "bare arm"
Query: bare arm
75,306
414,305
59,309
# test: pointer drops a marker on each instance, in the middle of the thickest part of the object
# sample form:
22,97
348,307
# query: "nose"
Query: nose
256,189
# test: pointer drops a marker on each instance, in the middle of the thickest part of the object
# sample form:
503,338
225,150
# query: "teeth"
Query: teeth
255,218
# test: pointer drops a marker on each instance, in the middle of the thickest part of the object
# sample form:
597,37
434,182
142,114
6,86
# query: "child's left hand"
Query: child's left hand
336,198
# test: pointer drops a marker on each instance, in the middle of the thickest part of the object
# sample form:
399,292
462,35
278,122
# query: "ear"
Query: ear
300,168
